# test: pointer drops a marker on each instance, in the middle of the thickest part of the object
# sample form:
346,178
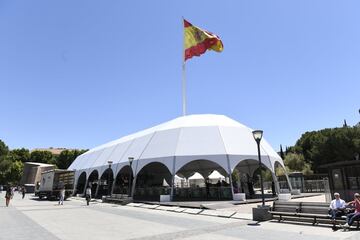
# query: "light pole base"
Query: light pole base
261,213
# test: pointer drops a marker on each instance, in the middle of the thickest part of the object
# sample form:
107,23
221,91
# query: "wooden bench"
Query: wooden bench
312,212
318,213
283,209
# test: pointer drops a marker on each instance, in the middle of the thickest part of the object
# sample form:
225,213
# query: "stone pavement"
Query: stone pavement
34,219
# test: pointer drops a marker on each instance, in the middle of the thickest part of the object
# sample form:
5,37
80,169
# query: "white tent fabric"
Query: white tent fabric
180,141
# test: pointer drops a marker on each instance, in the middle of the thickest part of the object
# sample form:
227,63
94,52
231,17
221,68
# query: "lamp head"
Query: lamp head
110,162
257,135
131,159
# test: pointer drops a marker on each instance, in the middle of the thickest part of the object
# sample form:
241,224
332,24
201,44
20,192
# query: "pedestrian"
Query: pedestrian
23,191
88,195
61,196
8,195
351,217
12,190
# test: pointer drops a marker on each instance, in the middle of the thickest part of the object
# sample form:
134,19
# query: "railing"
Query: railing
308,186
203,193
184,194
151,193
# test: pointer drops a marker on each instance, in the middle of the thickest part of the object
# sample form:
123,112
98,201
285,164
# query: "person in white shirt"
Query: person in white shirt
337,207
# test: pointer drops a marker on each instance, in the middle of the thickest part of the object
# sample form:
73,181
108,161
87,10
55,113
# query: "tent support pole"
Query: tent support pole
276,182
97,188
172,180
230,176
135,178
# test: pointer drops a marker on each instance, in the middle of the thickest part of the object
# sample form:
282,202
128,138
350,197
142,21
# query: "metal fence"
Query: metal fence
308,186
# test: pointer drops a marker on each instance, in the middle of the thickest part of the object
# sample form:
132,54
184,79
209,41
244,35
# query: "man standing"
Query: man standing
23,191
88,195
61,196
8,195
337,207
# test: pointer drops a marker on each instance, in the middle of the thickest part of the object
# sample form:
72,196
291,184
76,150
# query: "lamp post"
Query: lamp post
257,136
131,159
108,183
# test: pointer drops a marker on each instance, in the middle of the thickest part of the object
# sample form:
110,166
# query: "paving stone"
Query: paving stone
165,208
210,213
247,216
149,206
193,210
179,209
134,204
226,214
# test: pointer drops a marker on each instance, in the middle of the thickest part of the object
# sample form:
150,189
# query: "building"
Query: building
181,147
344,178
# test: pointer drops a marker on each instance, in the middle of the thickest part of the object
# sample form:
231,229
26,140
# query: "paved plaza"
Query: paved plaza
30,218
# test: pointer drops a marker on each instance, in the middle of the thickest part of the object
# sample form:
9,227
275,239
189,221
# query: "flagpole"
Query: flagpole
183,75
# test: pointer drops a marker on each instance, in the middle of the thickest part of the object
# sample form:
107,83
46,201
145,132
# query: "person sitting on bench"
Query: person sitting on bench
337,207
351,217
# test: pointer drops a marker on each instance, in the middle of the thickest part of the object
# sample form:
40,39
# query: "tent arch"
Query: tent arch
220,160
122,180
152,161
81,182
153,174
203,166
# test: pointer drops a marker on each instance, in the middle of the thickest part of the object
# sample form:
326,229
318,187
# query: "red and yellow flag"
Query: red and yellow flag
197,41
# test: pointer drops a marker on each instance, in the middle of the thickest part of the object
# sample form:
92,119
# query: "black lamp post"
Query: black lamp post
257,136
131,159
108,183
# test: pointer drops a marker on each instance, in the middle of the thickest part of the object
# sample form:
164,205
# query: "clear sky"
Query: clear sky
80,73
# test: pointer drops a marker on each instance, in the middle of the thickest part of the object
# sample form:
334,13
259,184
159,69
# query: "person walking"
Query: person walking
23,191
88,195
61,196
8,195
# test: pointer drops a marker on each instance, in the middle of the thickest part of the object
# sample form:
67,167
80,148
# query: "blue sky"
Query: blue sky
80,73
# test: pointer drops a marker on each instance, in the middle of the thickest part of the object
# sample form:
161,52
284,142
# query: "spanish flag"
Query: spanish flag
197,41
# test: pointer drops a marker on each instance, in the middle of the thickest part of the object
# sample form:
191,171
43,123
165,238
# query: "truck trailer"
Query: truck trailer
53,181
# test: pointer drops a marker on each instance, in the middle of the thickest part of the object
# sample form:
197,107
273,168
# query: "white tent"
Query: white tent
181,145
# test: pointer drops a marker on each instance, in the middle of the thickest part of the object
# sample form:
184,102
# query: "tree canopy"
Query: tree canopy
328,146
12,161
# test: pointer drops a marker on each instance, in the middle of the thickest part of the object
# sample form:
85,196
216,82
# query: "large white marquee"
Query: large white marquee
215,138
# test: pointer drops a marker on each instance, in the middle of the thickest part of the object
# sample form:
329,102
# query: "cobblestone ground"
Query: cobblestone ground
32,219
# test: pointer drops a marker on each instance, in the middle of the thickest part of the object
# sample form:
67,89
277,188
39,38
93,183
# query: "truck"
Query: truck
53,181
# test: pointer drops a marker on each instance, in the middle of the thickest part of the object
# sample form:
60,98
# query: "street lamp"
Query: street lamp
109,188
257,136
131,159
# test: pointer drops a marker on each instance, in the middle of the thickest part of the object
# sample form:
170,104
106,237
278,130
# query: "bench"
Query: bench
312,212
283,209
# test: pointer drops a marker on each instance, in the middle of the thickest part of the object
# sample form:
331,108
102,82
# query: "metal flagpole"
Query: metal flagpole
183,76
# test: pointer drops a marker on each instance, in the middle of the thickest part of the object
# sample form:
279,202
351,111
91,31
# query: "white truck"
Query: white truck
53,181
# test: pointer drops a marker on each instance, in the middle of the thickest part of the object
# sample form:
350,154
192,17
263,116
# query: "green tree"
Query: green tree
329,145
10,170
296,163
282,155
21,154
14,172
66,157
3,149
41,156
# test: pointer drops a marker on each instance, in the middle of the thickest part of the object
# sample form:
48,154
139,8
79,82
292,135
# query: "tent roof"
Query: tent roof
193,137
